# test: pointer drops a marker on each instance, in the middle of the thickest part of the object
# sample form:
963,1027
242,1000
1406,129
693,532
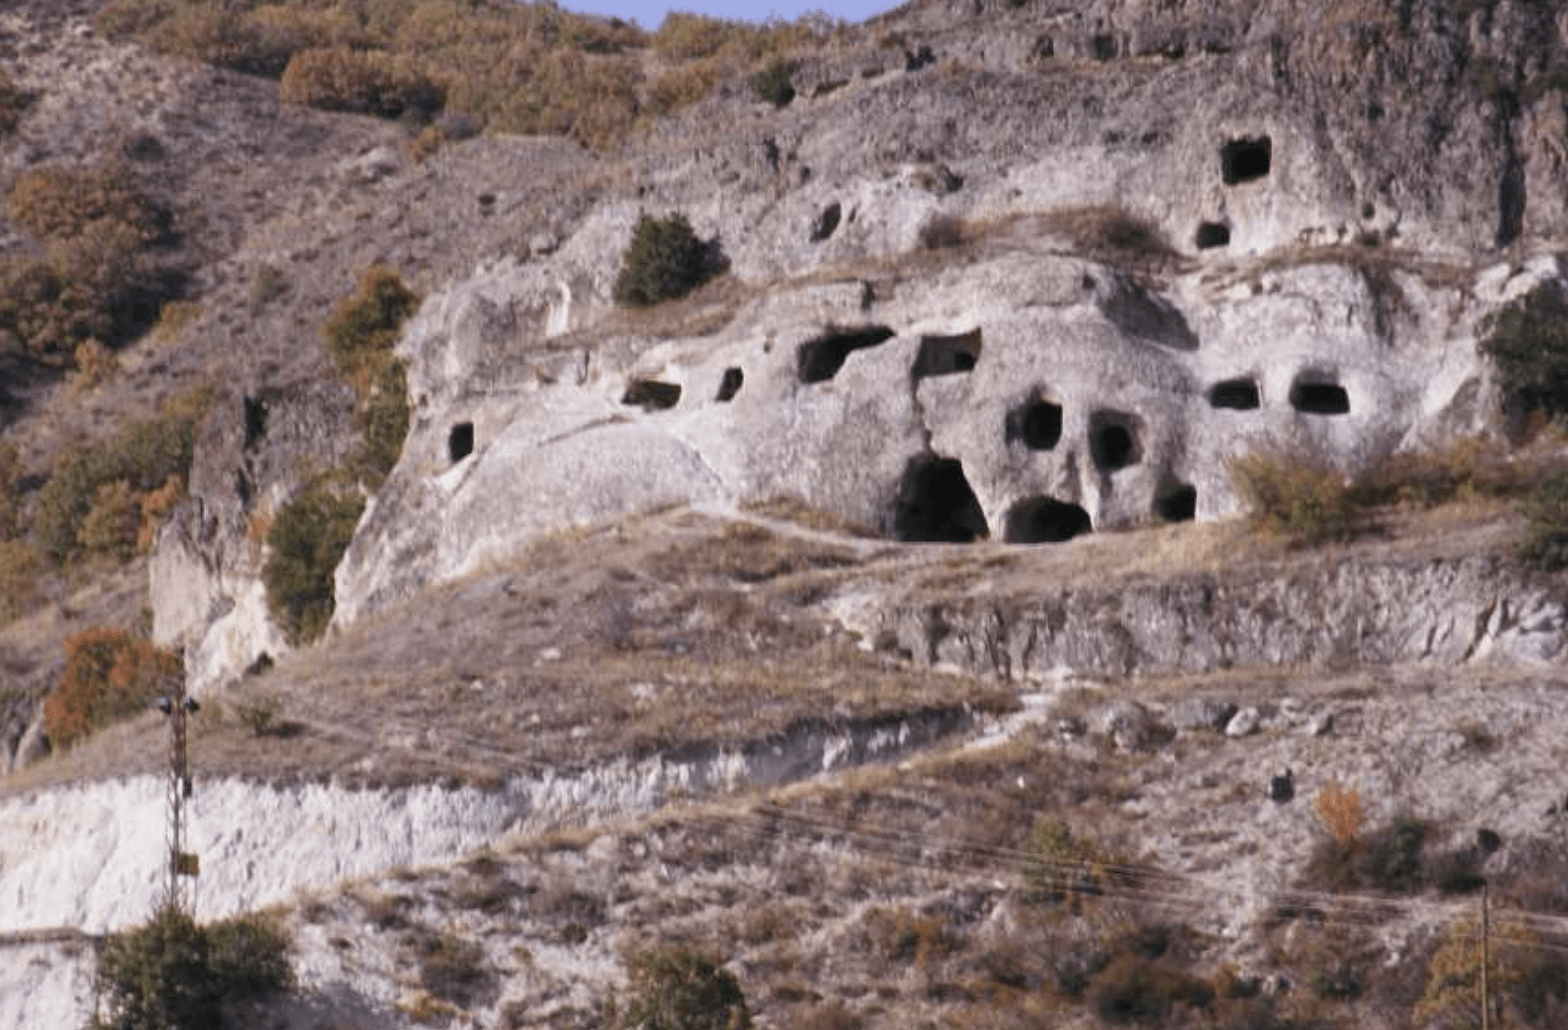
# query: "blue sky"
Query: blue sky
648,13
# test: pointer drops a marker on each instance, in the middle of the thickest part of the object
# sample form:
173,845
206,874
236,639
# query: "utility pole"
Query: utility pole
178,707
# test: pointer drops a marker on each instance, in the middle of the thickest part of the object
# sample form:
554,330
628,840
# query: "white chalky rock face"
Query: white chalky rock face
1028,398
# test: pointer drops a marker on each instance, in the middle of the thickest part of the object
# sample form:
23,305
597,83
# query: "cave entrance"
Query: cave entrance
1315,396
1245,160
936,504
1037,424
460,441
651,395
821,358
1044,520
1179,503
255,421
826,223
948,355
730,385
1211,235
1113,440
1235,394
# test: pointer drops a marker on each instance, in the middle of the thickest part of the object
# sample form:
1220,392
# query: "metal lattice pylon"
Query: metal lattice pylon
183,866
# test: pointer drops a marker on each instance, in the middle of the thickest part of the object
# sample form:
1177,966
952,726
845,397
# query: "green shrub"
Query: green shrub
666,261
360,335
10,491
109,676
1545,546
361,81
774,83
366,324
1133,989
1527,341
146,457
171,973
1387,859
1295,495
308,538
676,988
113,524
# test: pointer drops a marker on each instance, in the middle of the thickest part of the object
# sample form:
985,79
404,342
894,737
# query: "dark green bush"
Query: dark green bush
1388,859
666,261
677,988
308,538
173,974
1545,546
774,82
1528,343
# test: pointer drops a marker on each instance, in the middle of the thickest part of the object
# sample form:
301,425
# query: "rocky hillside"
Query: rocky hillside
784,493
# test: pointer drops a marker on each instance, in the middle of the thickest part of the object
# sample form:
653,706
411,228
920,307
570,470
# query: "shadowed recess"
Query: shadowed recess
948,355
460,441
730,385
1113,440
1178,503
255,421
826,223
821,358
1235,394
1211,235
1245,160
652,395
1038,424
1044,520
1144,315
936,504
1317,397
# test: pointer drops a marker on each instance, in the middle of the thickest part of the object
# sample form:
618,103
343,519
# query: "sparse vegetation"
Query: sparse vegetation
451,968
1390,858
1295,495
82,511
360,81
360,335
13,104
308,538
109,676
666,261
1545,546
172,973
677,988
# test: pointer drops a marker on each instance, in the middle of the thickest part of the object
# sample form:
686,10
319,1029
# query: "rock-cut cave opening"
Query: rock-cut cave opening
730,385
1211,235
651,395
1178,503
1319,397
1113,440
1037,424
1235,394
936,504
460,441
948,355
820,358
1244,160
826,223
1045,520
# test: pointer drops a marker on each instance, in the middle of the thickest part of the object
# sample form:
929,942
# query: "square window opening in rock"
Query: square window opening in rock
460,441
1246,160
652,395
948,355
1178,503
1036,424
1113,440
820,358
730,385
1045,520
1236,395
1318,397
936,504
1211,235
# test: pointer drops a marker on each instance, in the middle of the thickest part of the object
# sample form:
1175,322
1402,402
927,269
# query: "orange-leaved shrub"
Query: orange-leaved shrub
361,81
109,675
